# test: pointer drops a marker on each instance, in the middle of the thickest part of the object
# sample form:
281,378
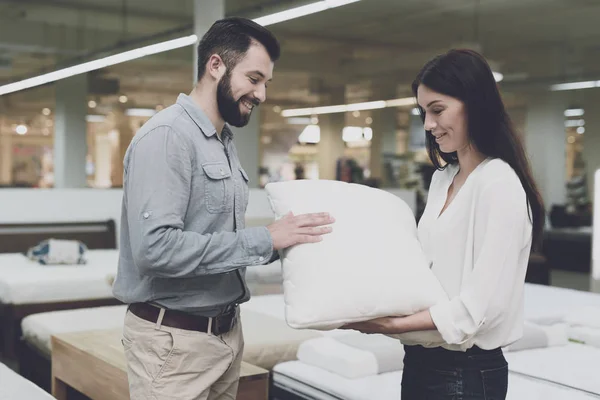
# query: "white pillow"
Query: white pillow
372,265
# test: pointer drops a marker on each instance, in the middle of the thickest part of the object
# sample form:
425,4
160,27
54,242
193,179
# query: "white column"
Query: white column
5,154
247,142
206,12
384,128
70,139
591,137
545,141
331,147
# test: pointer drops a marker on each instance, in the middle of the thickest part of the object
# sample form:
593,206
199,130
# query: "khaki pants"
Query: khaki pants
165,363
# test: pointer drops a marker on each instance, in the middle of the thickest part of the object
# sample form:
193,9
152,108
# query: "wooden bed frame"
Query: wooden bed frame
18,238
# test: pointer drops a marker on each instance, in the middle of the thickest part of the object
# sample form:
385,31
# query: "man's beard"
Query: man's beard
230,108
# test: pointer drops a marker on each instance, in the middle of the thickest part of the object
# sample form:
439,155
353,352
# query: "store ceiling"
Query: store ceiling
371,42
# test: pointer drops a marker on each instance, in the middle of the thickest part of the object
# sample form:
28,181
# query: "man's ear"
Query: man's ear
216,67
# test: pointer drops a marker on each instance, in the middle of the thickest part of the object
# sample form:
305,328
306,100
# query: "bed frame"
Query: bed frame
18,238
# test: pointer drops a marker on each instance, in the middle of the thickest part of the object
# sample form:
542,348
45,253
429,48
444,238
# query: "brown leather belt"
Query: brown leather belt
181,320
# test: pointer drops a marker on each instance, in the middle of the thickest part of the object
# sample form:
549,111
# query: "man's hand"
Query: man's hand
307,228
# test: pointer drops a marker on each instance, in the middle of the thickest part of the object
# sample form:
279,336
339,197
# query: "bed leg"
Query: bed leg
59,389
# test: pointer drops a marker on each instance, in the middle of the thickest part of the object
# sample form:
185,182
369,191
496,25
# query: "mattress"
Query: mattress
38,328
574,365
268,339
313,383
14,387
23,281
548,304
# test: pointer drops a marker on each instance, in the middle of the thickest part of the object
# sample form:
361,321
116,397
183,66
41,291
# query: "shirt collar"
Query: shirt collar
201,119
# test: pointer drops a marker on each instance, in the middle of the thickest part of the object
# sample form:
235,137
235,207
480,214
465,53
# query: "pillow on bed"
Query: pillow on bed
372,265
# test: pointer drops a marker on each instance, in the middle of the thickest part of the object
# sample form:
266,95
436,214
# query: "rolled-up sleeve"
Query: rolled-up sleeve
501,219
158,181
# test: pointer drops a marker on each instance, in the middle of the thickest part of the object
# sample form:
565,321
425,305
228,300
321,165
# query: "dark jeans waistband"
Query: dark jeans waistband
438,356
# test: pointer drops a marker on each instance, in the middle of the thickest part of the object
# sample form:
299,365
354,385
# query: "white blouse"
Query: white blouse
479,248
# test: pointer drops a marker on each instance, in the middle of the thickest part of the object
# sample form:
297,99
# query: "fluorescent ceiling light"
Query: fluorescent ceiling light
575,85
570,123
301,11
371,105
98,64
299,121
574,112
95,118
160,48
140,112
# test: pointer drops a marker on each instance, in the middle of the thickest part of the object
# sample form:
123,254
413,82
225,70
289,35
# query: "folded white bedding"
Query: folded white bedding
354,355
587,316
539,336
584,335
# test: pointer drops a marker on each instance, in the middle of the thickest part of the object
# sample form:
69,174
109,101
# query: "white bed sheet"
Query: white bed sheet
548,304
318,384
14,387
23,281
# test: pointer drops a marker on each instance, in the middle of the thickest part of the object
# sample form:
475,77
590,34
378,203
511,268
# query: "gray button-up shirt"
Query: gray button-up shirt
183,245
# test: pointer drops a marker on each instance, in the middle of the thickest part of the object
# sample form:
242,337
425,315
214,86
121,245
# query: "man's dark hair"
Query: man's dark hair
230,38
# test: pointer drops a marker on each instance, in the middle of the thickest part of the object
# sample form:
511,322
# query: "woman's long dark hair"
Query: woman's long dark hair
466,76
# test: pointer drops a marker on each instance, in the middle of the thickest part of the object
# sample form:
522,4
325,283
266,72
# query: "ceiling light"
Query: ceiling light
21,129
160,48
92,104
570,123
371,105
95,118
299,121
140,112
46,111
497,76
301,11
98,64
123,99
575,85
574,112
581,130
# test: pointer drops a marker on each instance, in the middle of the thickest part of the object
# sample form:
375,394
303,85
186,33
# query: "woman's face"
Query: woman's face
445,118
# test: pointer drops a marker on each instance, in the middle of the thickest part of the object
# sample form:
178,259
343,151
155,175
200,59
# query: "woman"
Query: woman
482,215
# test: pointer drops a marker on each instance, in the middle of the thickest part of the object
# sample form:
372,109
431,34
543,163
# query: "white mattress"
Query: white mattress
38,328
548,304
23,281
14,387
268,339
317,384
574,365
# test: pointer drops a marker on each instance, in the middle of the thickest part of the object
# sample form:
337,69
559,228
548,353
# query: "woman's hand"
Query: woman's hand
420,321
385,325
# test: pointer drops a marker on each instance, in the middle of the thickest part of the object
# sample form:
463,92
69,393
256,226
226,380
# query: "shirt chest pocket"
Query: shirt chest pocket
218,187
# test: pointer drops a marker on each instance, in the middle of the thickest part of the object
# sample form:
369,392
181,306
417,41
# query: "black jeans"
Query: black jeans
440,374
